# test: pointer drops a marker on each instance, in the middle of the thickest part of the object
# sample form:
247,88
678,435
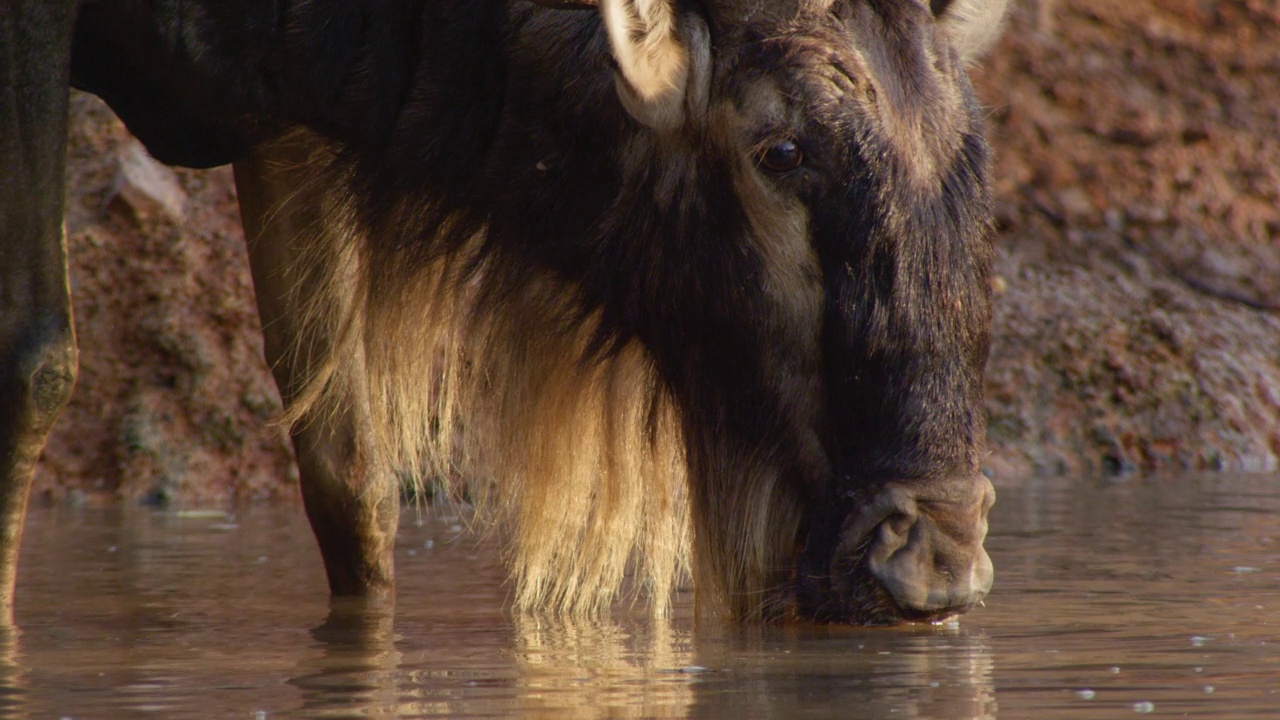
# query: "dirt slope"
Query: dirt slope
1139,202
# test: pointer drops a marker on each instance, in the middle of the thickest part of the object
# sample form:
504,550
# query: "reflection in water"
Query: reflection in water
356,672
577,668
632,667
13,674
1157,595
918,672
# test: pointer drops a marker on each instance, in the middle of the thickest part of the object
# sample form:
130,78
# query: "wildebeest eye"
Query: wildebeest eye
781,156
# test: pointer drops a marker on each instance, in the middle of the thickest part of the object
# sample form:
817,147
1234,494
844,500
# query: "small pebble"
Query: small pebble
1114,219
1144,707
1086,694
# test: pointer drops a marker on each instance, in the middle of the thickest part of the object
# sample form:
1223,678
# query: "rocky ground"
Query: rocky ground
1139,205
174,398
1138,183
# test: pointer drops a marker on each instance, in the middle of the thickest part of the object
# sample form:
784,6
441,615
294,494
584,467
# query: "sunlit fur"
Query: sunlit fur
490,379
488,383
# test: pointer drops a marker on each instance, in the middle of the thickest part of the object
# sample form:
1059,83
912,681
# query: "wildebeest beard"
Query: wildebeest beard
697,309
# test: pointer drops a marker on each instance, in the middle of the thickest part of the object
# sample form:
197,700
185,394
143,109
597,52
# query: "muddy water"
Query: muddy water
1155,597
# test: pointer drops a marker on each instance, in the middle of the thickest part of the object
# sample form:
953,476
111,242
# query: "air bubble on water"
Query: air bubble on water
1208,689
1242,569
1144,707
429,544
1115,669
1198,640
1086,694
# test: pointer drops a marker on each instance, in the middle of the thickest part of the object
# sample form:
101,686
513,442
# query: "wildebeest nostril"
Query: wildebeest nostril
894,532
930,559
899,522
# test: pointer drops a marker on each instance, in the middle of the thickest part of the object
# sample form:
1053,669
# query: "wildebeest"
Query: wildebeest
672,286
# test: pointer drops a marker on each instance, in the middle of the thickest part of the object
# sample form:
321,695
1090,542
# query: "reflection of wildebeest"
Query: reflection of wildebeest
672,274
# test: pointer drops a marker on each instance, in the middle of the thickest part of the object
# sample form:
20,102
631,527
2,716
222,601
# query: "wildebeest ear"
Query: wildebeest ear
972,24
650,42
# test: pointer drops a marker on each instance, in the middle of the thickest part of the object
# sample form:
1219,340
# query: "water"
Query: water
1156,597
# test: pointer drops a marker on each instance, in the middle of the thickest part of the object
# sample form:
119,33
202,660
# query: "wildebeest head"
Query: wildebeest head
772,216
806,208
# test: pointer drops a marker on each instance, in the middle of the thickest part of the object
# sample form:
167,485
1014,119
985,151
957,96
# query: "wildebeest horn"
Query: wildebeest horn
566,4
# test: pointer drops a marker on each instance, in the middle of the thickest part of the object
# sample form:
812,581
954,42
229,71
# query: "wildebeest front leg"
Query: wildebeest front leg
38,356
352,500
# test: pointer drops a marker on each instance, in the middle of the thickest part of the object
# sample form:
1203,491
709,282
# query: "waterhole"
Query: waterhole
1157,596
